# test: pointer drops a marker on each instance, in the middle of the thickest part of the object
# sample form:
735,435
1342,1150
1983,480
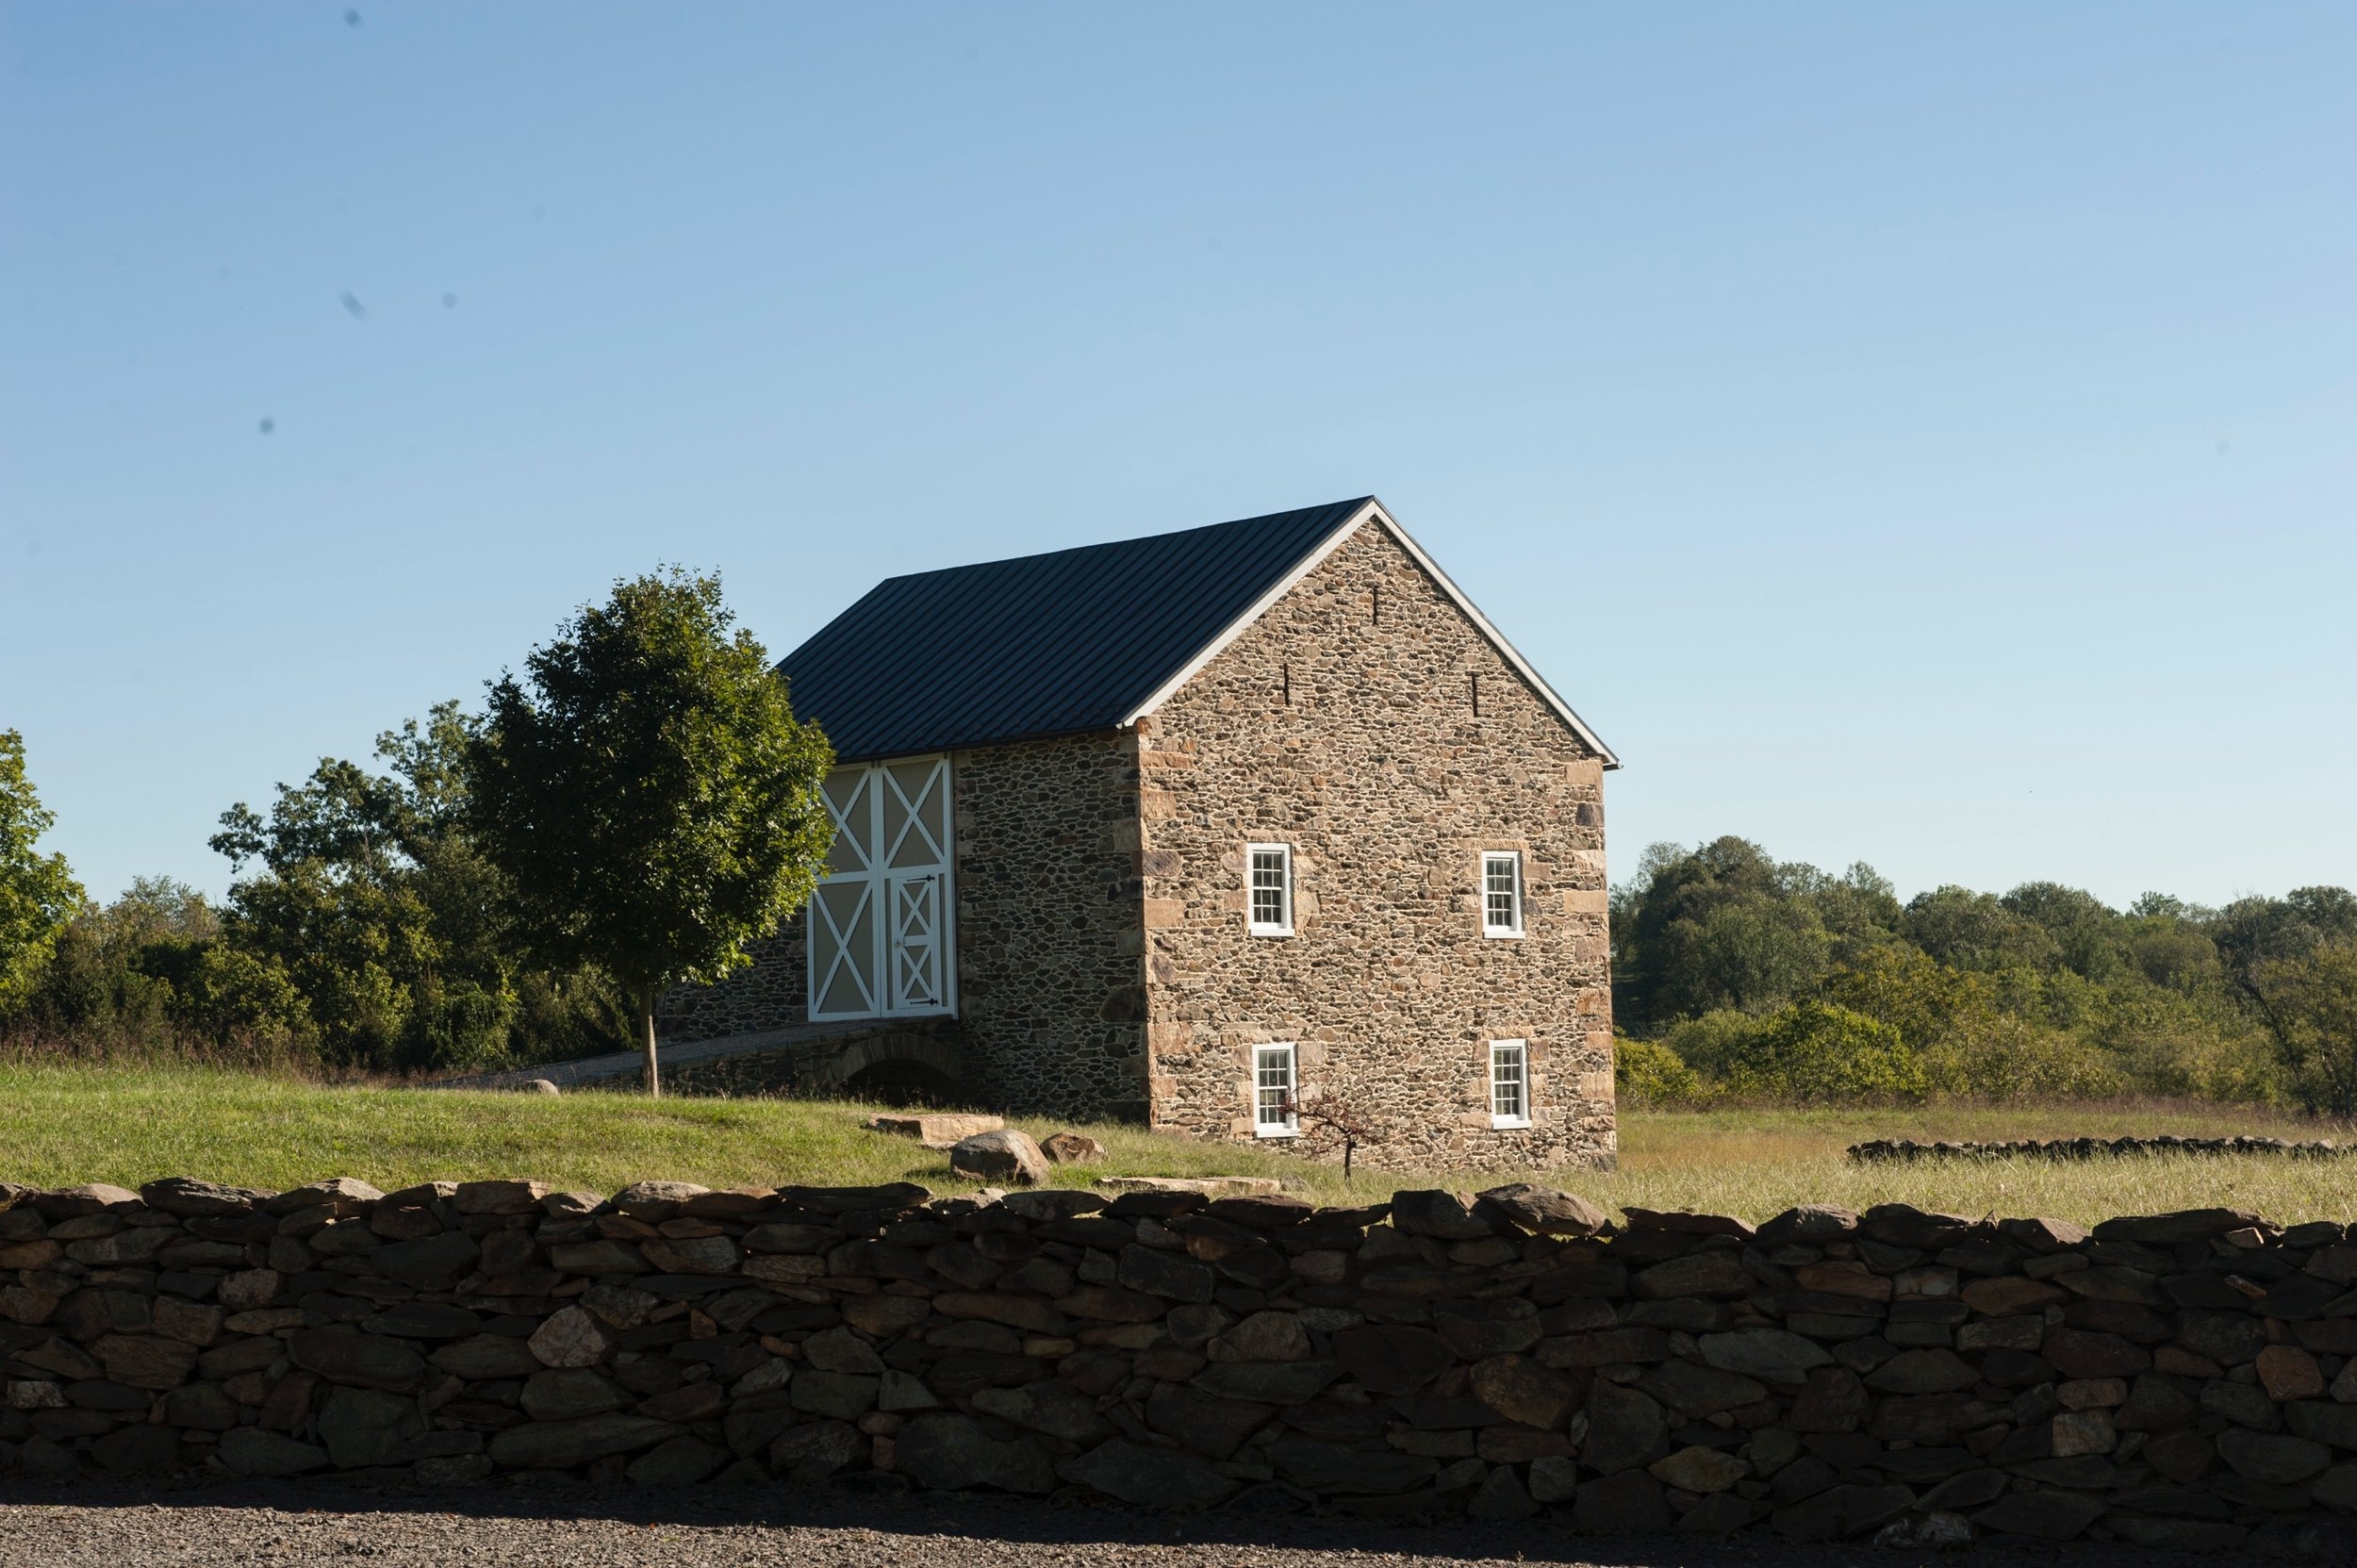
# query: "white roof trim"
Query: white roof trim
1253,612
1310,562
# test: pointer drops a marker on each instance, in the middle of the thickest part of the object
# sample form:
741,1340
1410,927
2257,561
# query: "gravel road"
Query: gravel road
96,1526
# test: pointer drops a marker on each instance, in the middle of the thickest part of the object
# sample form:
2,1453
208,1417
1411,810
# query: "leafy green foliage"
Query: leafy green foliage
650,797
1724,925
2043,992
2310,1007
38,893
123,968
371,924
1647,1074
1815,1052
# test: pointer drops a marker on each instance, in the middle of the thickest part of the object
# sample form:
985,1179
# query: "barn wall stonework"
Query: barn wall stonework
772,994
1049,951
1343,722
1051,1009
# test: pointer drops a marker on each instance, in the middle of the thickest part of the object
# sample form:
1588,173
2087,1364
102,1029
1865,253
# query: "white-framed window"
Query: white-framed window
1269,887
1510,1083
1501,893
1274,1114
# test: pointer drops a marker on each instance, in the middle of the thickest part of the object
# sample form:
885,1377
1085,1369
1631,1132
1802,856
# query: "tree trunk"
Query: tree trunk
645,1021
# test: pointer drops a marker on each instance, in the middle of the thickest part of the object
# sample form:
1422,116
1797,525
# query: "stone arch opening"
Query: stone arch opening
899,1069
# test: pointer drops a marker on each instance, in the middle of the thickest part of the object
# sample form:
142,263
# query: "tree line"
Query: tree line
493,889
520,884
1738,975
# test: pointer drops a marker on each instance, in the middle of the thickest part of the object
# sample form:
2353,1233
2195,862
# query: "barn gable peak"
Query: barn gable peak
1076,640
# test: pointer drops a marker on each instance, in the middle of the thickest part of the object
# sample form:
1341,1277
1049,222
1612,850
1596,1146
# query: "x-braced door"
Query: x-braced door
881,942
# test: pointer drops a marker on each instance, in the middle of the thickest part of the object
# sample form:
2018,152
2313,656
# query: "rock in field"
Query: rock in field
1073,1148
1005,1155
936,1129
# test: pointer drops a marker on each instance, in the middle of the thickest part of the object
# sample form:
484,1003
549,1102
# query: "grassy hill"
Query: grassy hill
60,1125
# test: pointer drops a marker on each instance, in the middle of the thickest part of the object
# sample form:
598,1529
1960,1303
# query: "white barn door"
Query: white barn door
881,942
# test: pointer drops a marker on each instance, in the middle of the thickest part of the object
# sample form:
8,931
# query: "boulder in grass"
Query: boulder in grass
999,1157
1072,1149
934,1129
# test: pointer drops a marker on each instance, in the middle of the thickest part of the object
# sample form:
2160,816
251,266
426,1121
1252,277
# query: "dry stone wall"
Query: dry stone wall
1904,1150
1345,722
2183,1379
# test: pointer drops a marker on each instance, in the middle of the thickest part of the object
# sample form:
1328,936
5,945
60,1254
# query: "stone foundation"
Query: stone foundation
2182,1380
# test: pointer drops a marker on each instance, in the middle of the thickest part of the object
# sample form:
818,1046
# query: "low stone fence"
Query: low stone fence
1880,1150
2183,1380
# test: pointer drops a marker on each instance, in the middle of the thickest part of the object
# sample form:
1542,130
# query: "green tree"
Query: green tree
1965,929
371,904
2254,934
38,893
2088,934
2310,1007
120,970
650,798
1716,926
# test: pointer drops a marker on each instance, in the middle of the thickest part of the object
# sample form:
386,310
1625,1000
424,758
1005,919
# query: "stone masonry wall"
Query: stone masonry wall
1049,1006
2183,1380
772,993
1050,957
1343,723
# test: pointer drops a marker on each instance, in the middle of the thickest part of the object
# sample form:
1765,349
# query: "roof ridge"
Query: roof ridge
1072,640
1352,504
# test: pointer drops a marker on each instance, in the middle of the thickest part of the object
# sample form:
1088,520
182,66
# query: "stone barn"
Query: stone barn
1200,830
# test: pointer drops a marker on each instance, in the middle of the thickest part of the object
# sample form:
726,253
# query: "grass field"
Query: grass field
60,1125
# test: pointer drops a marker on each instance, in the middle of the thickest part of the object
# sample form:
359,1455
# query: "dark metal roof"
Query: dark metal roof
1040,645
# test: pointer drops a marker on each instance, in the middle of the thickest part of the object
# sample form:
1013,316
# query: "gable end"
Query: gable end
1373,512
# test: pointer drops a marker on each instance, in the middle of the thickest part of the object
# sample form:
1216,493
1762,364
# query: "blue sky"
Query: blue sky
1917,434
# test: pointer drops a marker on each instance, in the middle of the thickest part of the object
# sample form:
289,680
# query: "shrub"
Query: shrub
1648,1073
1713,1043
1815,1051
2009,1058
232,994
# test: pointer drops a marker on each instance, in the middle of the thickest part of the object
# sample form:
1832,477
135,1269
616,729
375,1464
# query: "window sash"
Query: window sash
1502,893
1273,1091
1269,889
1510,1083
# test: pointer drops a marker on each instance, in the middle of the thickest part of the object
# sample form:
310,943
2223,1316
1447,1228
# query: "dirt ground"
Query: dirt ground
215,1526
